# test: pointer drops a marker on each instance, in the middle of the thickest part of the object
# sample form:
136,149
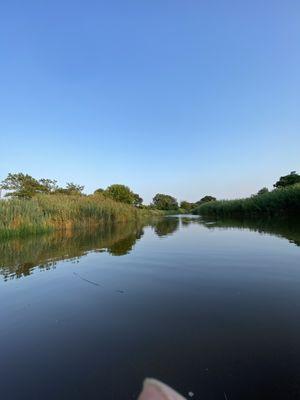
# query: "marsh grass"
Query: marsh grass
279,202
45,213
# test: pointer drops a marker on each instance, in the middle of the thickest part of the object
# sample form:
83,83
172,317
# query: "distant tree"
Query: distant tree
263,191
99,191
70,189
137,200
185,205
120,193
73,188
25,186
50,185
287,180
165,202
205,199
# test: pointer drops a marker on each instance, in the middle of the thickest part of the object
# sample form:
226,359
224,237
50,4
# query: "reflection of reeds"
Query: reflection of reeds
284,201
19,256
288,228
44,213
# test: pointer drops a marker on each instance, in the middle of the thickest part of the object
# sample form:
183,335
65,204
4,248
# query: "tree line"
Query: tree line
24,186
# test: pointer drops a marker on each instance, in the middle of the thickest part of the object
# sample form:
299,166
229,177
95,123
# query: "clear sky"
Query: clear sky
186,97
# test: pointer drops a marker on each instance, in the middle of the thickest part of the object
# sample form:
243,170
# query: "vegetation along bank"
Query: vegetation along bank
283,200
30,205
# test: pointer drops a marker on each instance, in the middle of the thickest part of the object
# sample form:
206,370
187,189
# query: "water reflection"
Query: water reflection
167,226
221,303
18,257
124,246
284,228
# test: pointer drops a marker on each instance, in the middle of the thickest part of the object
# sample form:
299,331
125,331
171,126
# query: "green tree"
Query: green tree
25,186
137,200
120,193
186,205
70,189
50,185
287,180
205,199
74,188
99,191
165,202
263,191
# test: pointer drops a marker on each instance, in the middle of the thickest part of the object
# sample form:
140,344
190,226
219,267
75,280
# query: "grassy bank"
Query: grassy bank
279,202
44,213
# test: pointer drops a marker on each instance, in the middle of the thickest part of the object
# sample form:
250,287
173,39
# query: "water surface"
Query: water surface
210,307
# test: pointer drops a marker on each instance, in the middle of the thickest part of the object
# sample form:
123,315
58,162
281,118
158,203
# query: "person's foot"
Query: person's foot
156,390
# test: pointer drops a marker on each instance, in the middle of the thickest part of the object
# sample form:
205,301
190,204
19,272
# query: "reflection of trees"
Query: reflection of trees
166,226
186,221
18,257
287,228
124,246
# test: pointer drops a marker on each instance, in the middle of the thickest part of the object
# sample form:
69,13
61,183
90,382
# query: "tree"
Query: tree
73,188
50,185
25,186
120,193
287,180
137,200
165,202
263,191
205,199
70,189
186,205
99,191
123,194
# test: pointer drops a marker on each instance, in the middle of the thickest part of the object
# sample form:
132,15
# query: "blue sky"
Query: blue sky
182,97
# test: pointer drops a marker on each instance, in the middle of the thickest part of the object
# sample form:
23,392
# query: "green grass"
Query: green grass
279,202
46,213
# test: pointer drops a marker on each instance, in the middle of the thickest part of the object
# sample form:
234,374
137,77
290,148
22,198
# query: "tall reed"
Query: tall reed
19,217
284,201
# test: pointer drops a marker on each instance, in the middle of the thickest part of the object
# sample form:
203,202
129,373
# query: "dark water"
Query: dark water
211,308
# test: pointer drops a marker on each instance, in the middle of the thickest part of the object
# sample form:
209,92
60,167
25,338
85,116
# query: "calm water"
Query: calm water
210,308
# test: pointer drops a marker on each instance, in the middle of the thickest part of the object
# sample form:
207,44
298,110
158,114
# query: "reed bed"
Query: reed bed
44,213
279,202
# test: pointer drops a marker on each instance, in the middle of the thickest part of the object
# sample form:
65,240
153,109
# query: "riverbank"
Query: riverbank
46,213
279,202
